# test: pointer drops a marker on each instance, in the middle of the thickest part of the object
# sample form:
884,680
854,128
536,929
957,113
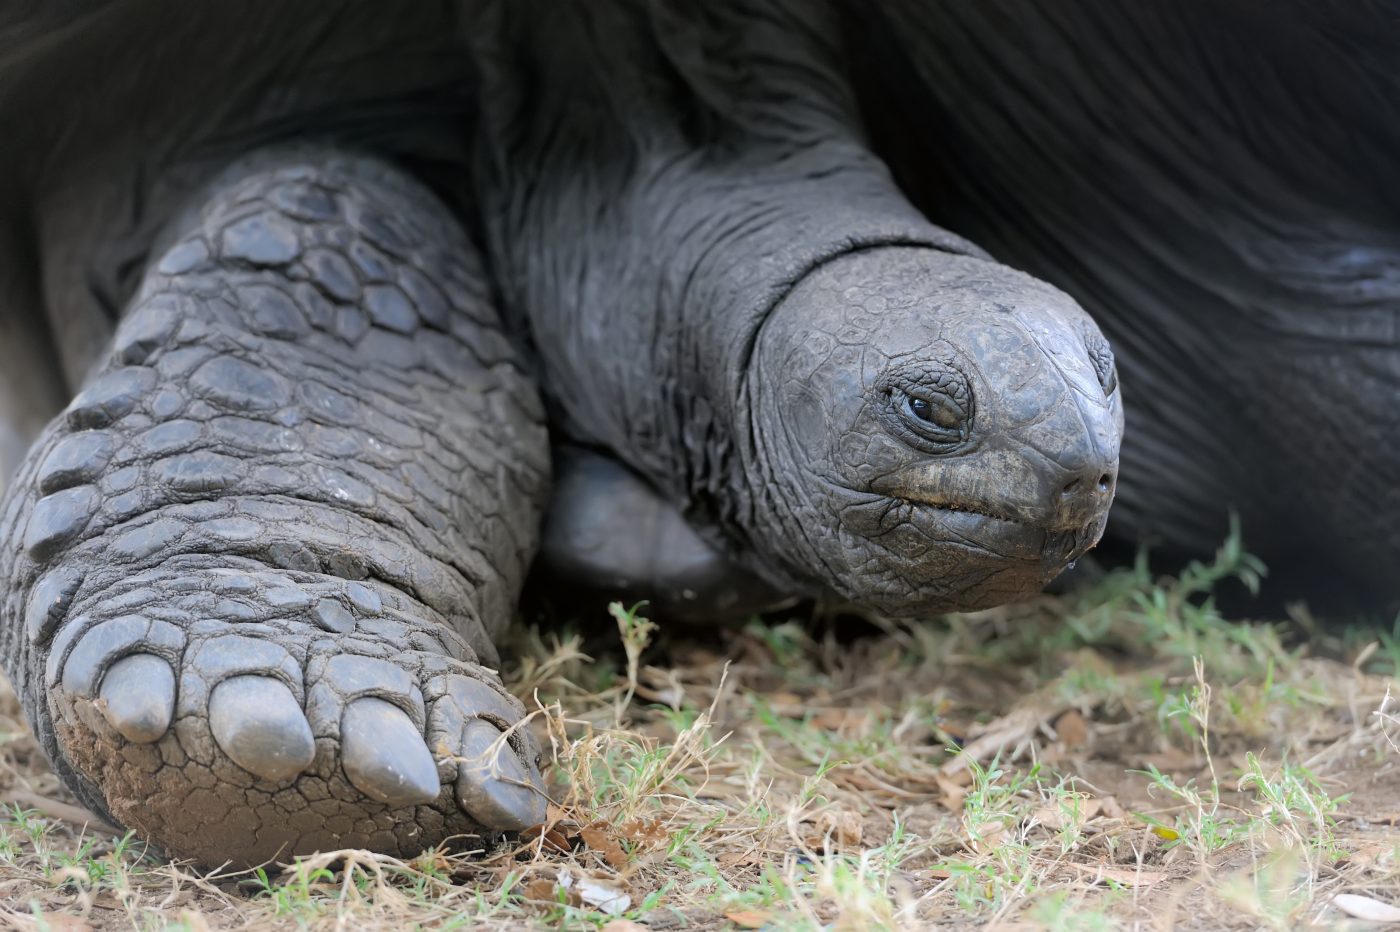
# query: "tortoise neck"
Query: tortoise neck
644,214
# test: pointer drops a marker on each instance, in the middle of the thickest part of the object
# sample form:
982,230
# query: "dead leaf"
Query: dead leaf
1127,876
1059,817
1003,734
555,840
560,832
1368,856
106,899
649,831
836,719
1072,729
833,830
606,845
539,890
746,858
1365,907
748,918
603,895
624,925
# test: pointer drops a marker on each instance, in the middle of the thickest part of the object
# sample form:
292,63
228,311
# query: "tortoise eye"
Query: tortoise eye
928,404
944,415
1101,355
932,418
1110,385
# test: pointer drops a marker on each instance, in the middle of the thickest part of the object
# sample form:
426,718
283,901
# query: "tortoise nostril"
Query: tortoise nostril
1083,485
1082,500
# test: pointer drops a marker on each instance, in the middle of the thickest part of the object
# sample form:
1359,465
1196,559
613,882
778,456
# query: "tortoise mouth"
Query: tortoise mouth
965,508
992,532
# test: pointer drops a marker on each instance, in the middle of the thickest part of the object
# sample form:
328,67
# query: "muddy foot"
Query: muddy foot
239,712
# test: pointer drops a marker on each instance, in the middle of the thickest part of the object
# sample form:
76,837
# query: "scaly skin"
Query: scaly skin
254,572
729,294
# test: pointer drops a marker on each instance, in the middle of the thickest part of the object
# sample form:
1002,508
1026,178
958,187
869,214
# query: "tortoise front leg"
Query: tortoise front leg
256,570
608,535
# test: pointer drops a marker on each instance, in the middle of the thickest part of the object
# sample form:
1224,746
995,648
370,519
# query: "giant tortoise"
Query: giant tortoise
339,286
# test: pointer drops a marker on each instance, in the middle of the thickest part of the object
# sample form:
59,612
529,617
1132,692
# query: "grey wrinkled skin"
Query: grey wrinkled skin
608,534
787,334
982,505
252,566
319,275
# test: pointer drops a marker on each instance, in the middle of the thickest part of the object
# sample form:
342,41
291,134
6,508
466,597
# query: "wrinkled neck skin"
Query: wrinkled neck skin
656,189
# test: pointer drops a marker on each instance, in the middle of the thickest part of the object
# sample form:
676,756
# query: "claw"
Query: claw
138,697
260,725
101,642
476,697
384,755
493,786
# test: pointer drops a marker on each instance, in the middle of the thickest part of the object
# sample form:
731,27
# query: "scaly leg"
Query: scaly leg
255,570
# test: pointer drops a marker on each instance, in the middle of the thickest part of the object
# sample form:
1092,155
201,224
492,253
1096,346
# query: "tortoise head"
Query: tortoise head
933,432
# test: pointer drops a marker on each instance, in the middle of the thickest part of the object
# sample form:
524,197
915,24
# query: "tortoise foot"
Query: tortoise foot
237,712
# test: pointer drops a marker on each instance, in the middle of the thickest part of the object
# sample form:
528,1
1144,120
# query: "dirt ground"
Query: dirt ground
1122,757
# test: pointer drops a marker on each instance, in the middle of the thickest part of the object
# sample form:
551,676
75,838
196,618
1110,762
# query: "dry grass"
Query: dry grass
1119,758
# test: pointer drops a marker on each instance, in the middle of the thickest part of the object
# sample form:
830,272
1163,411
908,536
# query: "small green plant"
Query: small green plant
1014,823
1206,826
1292,799
301,894
636,634
997,800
